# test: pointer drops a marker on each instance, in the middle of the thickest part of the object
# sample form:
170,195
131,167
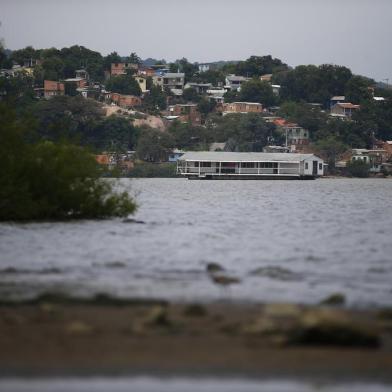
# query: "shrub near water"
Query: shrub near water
45,180
358,168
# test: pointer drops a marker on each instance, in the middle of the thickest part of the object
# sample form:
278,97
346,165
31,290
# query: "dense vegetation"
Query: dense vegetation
150,170
304,98
41,179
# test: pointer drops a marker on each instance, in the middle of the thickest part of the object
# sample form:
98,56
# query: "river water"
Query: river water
149,384
296,241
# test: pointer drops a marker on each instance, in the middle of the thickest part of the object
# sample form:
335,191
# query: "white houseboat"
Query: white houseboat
249,165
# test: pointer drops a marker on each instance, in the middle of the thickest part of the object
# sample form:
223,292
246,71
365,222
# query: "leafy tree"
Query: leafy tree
134,58
76,57
189,137
155,100
256,90
123,84
191,95
307,116
153,170
231,96
256,66
70,118
247,132
330,149
215,77
357,89
184,66
153,145
310,83
51,181
17,91
351,133
5,62
111,58
205,107
112,134
22,55
53,68
376,118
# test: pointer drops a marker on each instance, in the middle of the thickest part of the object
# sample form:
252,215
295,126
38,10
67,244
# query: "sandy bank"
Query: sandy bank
50,337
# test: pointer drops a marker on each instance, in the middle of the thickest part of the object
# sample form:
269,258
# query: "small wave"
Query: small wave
111,264
313,258
377,270
277,273
43,271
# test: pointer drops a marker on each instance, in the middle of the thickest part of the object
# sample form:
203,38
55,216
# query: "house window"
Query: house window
205,164
248,165
320,166
306,166
268,165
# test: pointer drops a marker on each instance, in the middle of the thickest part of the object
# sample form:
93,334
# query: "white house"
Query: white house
234,82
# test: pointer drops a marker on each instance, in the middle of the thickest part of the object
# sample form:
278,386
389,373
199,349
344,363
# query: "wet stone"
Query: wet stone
214,267
334,299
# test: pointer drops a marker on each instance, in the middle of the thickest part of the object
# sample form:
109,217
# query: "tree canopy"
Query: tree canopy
309,83
46,180
123,84
243,132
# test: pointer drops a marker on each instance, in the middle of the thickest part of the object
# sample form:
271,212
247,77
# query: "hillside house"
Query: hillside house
201,88
294,134
122,68
234,82
374,158
125,101
344,109
172,81
336,99
142,82
82,74
53,88
242,107
185,113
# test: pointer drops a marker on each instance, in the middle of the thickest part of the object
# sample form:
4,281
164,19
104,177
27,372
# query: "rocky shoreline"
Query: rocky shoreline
62,335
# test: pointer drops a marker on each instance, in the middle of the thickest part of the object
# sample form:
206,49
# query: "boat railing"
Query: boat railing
238,171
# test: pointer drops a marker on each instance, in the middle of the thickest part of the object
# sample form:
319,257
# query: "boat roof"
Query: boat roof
224,156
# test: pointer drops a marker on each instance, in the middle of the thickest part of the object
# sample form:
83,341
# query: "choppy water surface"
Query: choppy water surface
293,241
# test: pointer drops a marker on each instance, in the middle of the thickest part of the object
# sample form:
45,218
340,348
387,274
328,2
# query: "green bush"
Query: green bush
146,169
44,180
358,168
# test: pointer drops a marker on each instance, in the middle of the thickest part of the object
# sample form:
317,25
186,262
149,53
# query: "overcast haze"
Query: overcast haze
355,33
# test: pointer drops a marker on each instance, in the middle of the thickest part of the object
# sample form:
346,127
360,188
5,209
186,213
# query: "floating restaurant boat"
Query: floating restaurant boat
249,165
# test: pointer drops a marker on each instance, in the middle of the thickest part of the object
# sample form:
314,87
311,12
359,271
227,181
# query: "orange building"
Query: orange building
186,113
125,101
121,68
242,107
53,88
